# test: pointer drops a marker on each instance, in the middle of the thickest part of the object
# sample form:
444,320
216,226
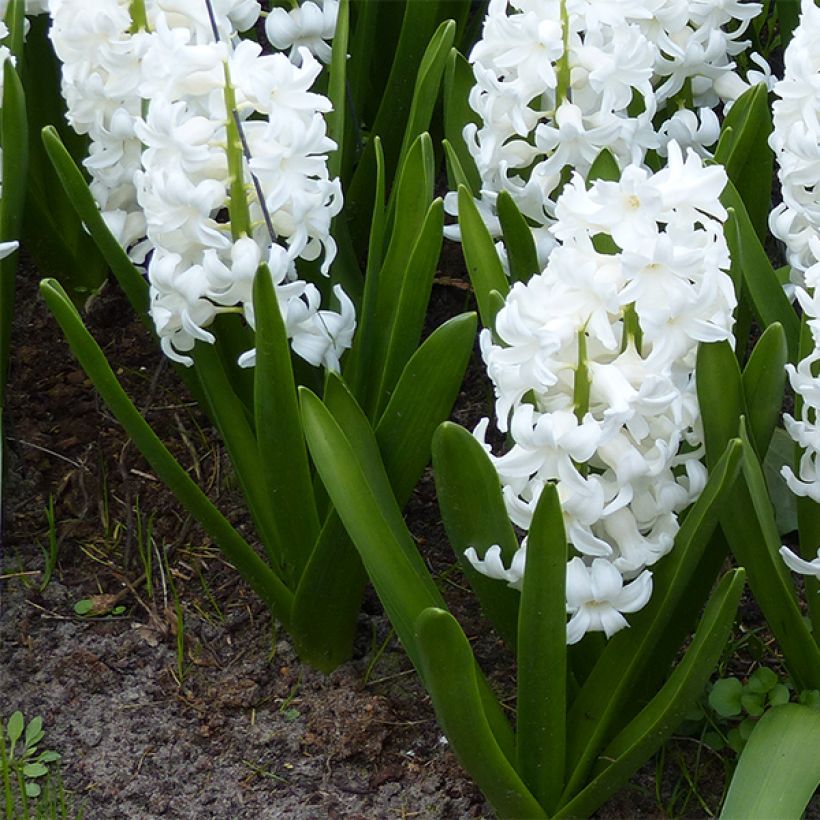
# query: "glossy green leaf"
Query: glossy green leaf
778,771
15,20
743,149
360,492
606,700
474,515
255,571
129,278
720,395
769,302
14,139
416,284
458,80
749,525
483,264
541,655
455,170
788,17
428,83
337,89
230,416
423,398
662,715
518,240
781,453
764,380
449,670
282,451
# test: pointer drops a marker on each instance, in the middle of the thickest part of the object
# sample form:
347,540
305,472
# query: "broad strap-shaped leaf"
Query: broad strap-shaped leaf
759,277
449,671
458,80
428,83
14,139
474,515
605,701
229,414
749,525
128,277
337,89
542,654
662,715
405,330
281,443
255,571
779,769
720,396
743,149
764,380
423,397
15,20
518,240
483,264
361,494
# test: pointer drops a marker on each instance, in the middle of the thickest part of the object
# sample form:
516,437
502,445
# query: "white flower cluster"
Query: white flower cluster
593,367
559,80
796,143
155,103
309,26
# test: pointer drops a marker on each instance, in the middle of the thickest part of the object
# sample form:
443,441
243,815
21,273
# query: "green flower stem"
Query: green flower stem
255,571
580,394
139,17
240,213
563,72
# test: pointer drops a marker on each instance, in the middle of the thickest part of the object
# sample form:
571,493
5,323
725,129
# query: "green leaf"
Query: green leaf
258,574
360,492
83,606
458,80
725,697
337,89
661,716
762,680
15,20
605,167
34,770
518,240
128,277
777,774
483,264
744,151
34,732
449,670
428,82
764,380
14,139
474,515
753,703
283,457
750,528
720,396
636,659
416,284
542,654
423,398
32,790
780,454
768,298
14,728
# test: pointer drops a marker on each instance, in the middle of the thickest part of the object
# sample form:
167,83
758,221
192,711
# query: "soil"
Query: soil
181,699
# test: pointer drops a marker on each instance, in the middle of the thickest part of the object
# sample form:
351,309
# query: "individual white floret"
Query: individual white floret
310,25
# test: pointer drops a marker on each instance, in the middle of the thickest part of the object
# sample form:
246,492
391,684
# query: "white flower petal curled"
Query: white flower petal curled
797,564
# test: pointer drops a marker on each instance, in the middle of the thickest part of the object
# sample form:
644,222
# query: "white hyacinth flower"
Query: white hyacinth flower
310,25
797,564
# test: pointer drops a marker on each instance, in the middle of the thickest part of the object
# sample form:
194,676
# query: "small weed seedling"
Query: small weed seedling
22,766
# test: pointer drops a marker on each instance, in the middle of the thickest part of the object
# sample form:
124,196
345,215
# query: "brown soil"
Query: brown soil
220,721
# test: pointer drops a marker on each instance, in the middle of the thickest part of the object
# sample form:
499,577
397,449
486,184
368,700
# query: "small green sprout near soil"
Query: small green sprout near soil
31,785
